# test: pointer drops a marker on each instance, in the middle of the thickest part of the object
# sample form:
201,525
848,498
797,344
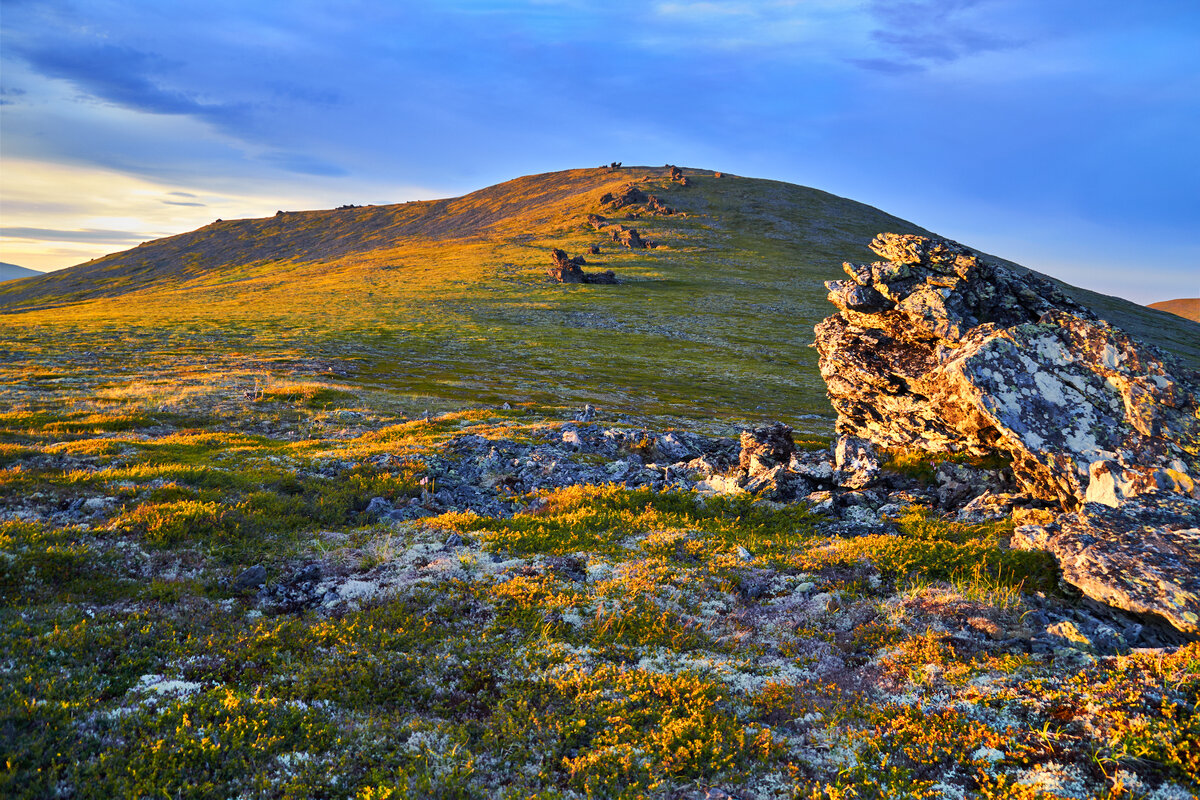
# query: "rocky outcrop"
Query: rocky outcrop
939,350
629,237
565,269
676,175
1143,556
765,448
628,195
657,208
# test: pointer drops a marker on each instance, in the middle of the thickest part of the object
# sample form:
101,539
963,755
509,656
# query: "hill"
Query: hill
1186,307
433,304
11,272
291,507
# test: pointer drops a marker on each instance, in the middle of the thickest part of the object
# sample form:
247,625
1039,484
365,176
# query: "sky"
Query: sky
1061,134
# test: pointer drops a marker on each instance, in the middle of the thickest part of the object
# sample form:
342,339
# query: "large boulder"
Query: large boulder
939,350
936,349
1143,556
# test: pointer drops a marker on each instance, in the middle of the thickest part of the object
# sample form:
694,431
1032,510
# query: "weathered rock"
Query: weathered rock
765,448
656,207
628,195
856,463
296,592
250,578
1143,556
569,270
629,237
778,483
608,276
378,507
564,269
939,350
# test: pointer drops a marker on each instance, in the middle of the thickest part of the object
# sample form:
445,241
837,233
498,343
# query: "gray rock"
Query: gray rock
250,578
766,447
972,356
856,462
1143,557
378,507
672,448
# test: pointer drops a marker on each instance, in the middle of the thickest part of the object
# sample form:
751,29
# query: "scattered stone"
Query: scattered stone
454,540
296,592
629,237
766,447
628,195
250,579
1143,556
378,507
856,463
671,447
657,208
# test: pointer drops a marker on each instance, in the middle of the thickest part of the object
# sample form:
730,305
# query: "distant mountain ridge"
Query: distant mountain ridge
12,272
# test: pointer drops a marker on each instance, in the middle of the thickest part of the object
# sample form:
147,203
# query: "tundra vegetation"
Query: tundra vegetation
198,413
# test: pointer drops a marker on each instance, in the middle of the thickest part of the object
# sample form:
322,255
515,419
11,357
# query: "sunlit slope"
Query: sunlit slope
1186,307
237,247
446,302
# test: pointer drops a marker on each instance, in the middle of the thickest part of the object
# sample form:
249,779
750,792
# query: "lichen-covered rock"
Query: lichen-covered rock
1143,556
939,350
765,448
856,462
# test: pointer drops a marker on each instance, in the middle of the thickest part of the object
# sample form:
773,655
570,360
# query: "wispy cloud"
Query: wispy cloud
915,34
92,236
123,75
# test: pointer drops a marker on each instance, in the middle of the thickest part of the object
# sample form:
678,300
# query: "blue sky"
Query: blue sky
1058,133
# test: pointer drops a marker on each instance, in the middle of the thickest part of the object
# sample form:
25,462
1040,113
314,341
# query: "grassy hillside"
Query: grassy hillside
441,303
249,399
